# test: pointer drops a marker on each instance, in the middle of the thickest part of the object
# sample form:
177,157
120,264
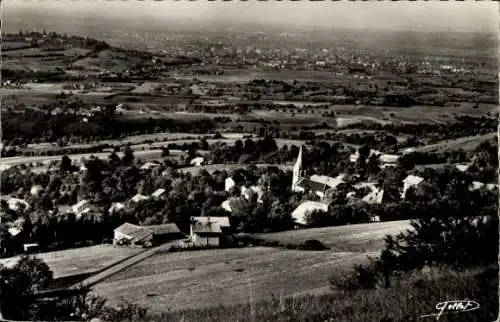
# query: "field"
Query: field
351,238
465,143
80,260
226,276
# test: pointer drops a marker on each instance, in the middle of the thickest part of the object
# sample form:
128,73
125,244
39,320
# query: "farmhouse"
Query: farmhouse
410,181
207,231
307,207
129,234
132,235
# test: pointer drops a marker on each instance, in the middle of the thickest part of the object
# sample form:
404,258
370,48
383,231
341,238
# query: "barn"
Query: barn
130,234
207,231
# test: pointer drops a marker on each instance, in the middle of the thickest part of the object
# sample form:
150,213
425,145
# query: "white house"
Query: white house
307,207
332,183
116,206
476,185
158,193
463,167
411,181
138,198
229,184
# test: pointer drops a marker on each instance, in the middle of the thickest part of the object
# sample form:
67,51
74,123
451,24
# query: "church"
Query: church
319,185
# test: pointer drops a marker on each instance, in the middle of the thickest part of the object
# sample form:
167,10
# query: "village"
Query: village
318,193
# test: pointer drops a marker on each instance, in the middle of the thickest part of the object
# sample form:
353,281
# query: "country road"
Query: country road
155,153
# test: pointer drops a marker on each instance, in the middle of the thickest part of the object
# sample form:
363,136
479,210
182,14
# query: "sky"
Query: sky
468,16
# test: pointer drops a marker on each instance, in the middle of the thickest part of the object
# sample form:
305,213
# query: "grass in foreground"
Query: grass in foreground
410,297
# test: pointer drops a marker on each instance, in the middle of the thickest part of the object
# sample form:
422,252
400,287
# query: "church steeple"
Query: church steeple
297,169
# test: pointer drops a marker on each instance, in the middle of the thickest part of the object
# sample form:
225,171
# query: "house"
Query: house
158,193
332,183
307,207
355,156
116,206
389,159
376,196
463,167
17,204
411,181
307,185
229,184
132,235
149,165
14,231
235,205
491,186
138,198
79,207
207,231
476,185
248,193
198,161
164,233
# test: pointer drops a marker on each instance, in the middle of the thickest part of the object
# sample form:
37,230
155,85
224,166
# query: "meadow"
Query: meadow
207,278
81,260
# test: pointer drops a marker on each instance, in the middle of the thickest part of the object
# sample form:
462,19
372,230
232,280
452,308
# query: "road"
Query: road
150,154
466,143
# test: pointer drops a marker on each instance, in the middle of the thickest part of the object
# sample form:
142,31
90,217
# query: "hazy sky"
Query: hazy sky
419,15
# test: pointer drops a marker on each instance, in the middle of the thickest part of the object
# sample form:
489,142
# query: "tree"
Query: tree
66,164
128,156
18,283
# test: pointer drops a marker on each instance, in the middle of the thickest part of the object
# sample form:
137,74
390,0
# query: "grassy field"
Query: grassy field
227,276
410,297
465,143
351,238
80,260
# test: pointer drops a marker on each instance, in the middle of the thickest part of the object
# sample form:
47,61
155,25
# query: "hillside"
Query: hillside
207,278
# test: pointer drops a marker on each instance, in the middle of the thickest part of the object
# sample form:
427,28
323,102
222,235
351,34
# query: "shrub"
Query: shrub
313,244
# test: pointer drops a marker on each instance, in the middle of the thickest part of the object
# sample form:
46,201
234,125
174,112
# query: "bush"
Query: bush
362,277
313,244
